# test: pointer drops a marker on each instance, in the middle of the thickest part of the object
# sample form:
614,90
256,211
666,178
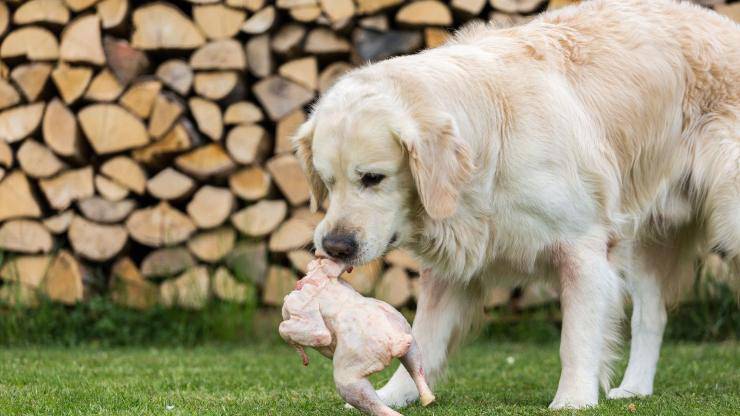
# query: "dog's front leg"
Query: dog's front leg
443,314
591,304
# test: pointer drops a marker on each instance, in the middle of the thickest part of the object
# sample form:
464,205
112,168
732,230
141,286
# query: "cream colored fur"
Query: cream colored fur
596,141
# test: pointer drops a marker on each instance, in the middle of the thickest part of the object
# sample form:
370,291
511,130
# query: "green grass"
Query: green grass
269,380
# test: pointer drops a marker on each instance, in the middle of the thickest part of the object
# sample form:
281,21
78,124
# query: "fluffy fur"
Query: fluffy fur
596,141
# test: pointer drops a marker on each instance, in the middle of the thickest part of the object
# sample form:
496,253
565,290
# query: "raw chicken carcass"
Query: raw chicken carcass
362,335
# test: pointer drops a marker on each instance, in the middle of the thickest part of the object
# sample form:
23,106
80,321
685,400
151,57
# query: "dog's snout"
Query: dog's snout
340,246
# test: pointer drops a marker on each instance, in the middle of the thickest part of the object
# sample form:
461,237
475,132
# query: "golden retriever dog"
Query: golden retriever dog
597,146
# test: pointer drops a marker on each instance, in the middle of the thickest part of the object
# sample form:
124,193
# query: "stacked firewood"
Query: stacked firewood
144,146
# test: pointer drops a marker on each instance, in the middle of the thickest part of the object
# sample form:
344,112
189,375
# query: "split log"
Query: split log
163,26
38,161
378,22
159,226
71,82
216,86
260,22
105,87
177,75
403,259
167,109
33,42
192,288
469,7
176,141
31,79
208,117
248,143
60,130
338,10
96,242
259,56
217,21
27,270
8,95
4,18
109,189
363,278
58,224
250,184
125,172
243,112
220,55
2,173
81,41
63,282
25,236
374,46
210,206
286,128
139,98
280,281
6,154
167,262
425,12
374,6
305,14
126,62
496,296
67,187
302,71
170,184
289,4
248,261
251,5
291,235
434,37
730,10
321,41
290,179
212,245
280,97
261,218
225,287
20,122
16,198
110,129
112,13
205,161
80,5
104,211
516,6
299,259
287,40
129,288
394,287
331,74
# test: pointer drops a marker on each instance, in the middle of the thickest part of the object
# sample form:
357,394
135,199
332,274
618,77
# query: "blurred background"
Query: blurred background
148,193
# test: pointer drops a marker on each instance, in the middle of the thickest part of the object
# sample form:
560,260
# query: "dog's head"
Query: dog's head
382,162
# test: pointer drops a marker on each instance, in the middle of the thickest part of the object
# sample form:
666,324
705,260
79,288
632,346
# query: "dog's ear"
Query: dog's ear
302,146
440,162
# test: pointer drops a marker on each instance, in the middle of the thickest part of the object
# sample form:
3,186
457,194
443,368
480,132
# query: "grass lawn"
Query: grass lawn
269,380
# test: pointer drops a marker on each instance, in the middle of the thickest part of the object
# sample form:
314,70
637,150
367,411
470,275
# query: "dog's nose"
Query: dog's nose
340,246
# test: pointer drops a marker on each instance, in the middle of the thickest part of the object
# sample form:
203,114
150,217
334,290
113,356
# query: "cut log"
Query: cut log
248,143
260,22
104,211
126,62
338,10
374,46
27,270
167,109
129,288
104,87
63,282
8,95
109,128
363,278
25,236
217,21
2,173
305,14
170,184
192,288
210,206
321,41
280,281
331,73
125,172
280,97
469,7
80,5
250,184
166,262
31,79
496,296
139,98
71,82
378,23
112,13
302,71
293,234
225,287
243,112
286,128
248,261
221,54
290,179
208,117
403,259
205,161
67,187
176,141
15,187
58,224
159,226
38,161
730,10
33,42
163,26
516,6
216,85
96,242
299,259
434,37
287,40
4,18
425,12
60,130
6,154
261,218
212,245
177,75
259,56
394,287
374,6
109,189
251,5
20,122
81,41
289,4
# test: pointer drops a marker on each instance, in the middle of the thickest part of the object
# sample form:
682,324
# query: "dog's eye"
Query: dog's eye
371,179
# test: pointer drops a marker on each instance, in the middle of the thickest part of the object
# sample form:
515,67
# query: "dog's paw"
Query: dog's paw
626,393
348,406
571,403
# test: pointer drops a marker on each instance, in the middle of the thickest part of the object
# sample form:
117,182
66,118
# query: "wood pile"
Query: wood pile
150,140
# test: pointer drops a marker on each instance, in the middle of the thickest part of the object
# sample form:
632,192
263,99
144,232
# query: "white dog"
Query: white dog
595,141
